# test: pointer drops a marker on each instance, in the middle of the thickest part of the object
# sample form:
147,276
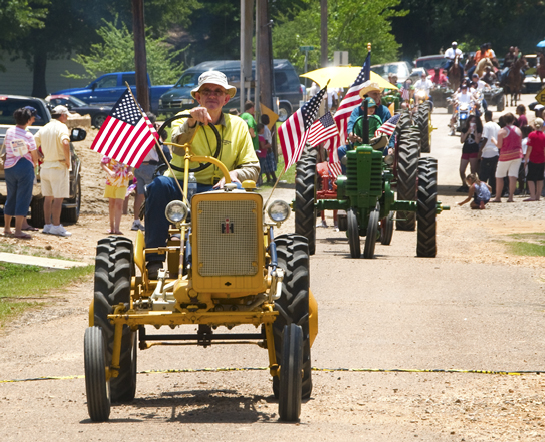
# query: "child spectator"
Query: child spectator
478,190
269,165
535,161
262,152
115,190
521,120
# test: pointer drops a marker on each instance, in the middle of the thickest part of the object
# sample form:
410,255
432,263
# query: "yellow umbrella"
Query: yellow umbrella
343,76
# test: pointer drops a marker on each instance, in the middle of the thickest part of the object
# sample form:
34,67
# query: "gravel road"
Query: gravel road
476,307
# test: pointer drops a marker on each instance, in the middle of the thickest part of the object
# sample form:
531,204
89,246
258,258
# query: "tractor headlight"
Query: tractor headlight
176,212
279,211
389,160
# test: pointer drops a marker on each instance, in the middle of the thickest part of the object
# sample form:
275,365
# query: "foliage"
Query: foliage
116,54
20,285
433,24
17,17
351,24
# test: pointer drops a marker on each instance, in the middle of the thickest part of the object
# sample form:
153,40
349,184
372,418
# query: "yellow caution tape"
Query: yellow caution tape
348,370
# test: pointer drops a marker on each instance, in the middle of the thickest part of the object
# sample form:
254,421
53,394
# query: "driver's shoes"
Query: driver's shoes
153,268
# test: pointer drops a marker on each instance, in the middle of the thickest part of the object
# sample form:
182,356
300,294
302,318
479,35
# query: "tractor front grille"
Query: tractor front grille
364,171
227,238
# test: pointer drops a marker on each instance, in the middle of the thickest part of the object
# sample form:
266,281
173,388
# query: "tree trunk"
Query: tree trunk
39,88
142,92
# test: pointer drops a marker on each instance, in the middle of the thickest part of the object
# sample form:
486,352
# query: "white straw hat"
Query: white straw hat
214,77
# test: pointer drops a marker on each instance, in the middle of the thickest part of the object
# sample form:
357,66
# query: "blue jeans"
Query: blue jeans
19,183
341,152
161,191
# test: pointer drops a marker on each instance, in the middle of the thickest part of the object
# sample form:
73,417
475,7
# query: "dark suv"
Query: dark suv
71,205
286,81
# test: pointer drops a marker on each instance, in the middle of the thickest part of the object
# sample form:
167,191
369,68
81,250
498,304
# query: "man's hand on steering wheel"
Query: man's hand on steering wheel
199,114
234,178
354,138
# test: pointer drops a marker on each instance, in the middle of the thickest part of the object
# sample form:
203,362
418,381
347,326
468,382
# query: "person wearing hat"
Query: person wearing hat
450,55
374,121
372,90
54,138
212,93
535,159
21,155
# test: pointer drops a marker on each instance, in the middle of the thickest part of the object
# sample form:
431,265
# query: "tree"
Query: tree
351,24
116,54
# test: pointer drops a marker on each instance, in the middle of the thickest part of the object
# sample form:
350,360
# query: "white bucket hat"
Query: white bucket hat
214,77
60,110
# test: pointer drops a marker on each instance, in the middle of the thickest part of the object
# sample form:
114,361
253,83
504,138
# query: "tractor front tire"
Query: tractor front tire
291,365
426,237
305,199
372,232
114,267
293,305
387,229
96,386
353,233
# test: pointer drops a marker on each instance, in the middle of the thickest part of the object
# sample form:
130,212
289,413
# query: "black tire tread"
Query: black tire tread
113,271
426,238
407,168
290,388
96,386
305,199
293,305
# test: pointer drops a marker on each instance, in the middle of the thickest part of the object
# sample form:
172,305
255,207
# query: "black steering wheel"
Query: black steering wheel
211,126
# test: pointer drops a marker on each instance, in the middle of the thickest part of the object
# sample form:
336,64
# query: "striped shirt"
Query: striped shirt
17,139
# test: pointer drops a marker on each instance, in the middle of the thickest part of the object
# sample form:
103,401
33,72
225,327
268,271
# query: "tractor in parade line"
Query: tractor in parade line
224,268
364,198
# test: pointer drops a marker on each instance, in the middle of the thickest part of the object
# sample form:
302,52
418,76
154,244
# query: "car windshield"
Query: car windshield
430,63
77,102
188,79
397,69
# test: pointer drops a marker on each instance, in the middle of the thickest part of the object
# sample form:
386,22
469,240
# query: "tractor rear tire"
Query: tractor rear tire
114,267
426,238
305,199
96,386
291,365
387,229
423,116
372,232
404,121
407,167
293,305
353,234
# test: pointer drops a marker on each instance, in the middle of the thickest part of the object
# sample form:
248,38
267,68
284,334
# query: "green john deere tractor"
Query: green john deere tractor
366,200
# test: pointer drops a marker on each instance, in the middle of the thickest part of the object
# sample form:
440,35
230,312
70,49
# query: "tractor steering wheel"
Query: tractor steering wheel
202,166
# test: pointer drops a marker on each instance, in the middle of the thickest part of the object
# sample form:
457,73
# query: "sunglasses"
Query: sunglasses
208,92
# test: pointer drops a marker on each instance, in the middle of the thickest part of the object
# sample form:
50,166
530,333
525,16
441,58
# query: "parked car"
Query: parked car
107,89
430,62
401,69
70,205
286,82
97,112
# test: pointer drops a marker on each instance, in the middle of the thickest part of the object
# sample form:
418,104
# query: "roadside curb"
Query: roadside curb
57,264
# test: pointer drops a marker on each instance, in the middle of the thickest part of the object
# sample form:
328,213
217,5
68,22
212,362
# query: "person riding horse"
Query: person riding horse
454,55
512,81
485,52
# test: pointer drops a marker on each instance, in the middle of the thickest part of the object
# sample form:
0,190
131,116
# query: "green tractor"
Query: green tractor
365,197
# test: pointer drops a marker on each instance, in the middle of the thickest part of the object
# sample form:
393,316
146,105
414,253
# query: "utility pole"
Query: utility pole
265,55
140,66
246,36
323,32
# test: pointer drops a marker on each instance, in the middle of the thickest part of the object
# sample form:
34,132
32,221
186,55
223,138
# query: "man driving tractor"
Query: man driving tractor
237,153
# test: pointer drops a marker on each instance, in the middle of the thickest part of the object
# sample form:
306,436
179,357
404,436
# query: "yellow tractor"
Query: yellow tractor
225,269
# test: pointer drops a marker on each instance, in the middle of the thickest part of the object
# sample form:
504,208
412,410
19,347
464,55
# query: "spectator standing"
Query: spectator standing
488,151
21,155
509,143
249,117
521,121
269,165
116,187
471,138
535,160
54,138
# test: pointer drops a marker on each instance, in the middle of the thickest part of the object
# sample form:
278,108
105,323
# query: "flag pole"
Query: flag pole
159,147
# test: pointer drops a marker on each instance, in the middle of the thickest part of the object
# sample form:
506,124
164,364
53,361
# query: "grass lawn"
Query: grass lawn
527,244
24,286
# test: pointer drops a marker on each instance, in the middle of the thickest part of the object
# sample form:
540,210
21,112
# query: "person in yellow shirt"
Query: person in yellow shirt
237,153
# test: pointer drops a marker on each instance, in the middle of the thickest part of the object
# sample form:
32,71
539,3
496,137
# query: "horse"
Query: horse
512,82
454,74
540,68
482,65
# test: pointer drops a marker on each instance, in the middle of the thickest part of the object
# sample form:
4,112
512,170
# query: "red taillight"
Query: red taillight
3,98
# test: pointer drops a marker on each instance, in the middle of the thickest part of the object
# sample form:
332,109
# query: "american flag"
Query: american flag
127,135
388,127
350,101
294,132
322,129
